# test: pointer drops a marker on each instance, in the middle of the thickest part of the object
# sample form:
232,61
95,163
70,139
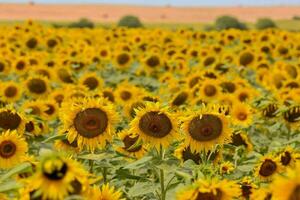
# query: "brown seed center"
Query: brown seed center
9,120
155,124
10,91
206,128
267,168
7,149
37,86
210,90
91,122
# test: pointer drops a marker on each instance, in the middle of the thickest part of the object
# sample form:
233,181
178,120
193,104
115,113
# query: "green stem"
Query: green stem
91,163
162,184
162,175
104,173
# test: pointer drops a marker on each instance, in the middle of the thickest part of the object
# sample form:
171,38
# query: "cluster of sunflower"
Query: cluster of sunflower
122,113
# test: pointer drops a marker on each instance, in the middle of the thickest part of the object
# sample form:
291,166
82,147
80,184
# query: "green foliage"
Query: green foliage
82,23
228,22
265,23
130,22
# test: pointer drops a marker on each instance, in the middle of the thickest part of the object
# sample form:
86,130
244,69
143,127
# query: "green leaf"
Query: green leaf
10,185
54,137
18,169
93,156
137,164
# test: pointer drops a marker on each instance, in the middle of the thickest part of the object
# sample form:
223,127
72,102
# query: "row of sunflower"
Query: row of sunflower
148,114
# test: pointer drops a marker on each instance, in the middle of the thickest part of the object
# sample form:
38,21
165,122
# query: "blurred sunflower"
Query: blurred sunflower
11,92
267,167
12,120
37,86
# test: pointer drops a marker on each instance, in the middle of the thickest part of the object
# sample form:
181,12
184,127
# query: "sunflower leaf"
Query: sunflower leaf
18,169
10,185
137,164
53,138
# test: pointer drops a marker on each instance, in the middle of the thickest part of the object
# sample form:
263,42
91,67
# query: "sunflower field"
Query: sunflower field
149,113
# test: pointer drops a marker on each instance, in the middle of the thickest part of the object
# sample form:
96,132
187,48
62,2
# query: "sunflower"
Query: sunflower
123,60
206,128
246,58
270,110
21,65
51,109
287,187
152,62
13,149
209,90
106,192
241,114
242,139
267,167
292,116
126,92
37,86
180,98
184,153
91,80
89,121
132,147
262,193
131,107
58,177
154,125
11,92
226,167
34,107
212,189
247,187
33,126
289,156
11,120
108,93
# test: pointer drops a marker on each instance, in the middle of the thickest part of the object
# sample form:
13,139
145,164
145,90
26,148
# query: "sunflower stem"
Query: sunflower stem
162,175
91,163
104,173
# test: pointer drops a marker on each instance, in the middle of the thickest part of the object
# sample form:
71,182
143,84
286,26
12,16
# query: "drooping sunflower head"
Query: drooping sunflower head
184,153
155,125
288,156
13,149
89,121
242,139
180,98
206,128
131,107
292,115
132,146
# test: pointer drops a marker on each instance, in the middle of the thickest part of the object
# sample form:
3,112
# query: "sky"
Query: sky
170,2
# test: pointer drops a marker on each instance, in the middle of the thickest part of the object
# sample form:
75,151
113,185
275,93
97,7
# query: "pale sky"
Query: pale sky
171,2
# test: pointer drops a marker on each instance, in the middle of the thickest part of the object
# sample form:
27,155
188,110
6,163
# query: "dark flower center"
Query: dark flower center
155,124
37,86
50,109
246,191
125,95
267,168
153,61
20,65
109,96
242,116
31,43
210,90
9,120
228,87
295,194
7,149
209,195
129,142
10,91
286,158
237,140
270,110
91,82
246,59
206,128
123,59
29,126
292,115
91,122
187,154
57,173
180,99
76,186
